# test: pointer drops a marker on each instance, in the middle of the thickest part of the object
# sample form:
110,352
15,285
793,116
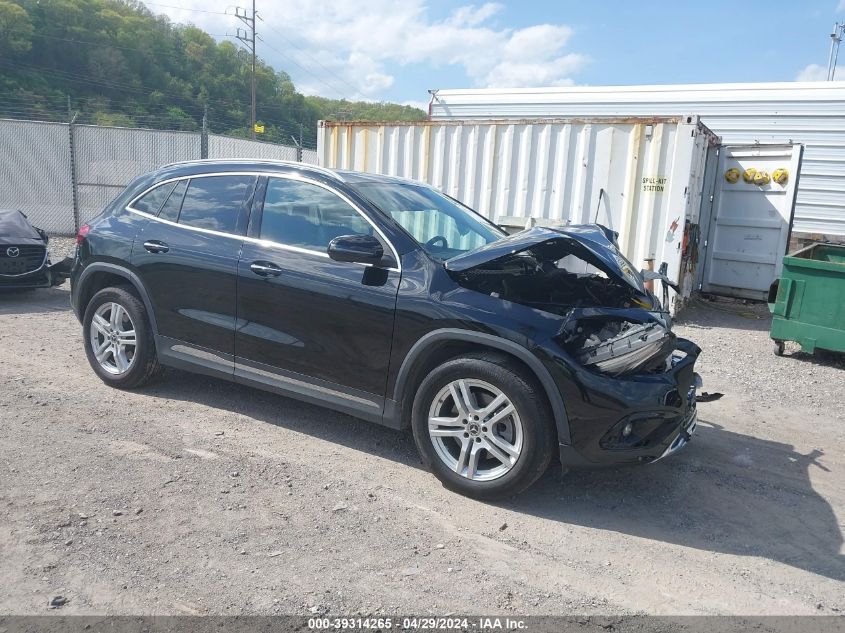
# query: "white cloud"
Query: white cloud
841,6
470,16
343,46
814,72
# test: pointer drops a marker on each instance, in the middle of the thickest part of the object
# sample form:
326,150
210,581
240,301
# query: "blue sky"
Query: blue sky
388,50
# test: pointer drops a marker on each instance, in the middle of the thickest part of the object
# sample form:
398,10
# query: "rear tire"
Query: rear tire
483,426
118,339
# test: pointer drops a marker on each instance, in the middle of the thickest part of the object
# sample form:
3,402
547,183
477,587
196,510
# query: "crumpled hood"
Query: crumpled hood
16,229
594,243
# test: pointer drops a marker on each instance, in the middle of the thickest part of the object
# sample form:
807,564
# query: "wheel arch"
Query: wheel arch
440,345
99,275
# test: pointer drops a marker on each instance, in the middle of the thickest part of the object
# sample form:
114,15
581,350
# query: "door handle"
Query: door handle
155,246
265,269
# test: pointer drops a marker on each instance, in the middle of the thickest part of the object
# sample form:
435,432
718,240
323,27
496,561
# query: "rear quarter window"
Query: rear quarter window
170,209
151,201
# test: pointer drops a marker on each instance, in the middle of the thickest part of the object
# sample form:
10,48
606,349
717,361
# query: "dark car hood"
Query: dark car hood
16,229
594,243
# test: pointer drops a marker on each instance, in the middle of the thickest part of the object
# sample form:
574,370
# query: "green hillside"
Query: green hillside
119,64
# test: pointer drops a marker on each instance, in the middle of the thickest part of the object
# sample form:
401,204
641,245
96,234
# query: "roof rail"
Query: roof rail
251,161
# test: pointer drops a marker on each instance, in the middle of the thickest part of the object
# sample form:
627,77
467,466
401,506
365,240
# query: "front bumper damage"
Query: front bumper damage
632,418
47,276
626,380
24,255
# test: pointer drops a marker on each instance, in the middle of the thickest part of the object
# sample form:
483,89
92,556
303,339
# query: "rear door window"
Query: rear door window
213,202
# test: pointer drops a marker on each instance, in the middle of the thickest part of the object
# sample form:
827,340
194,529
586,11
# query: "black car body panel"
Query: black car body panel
355,337
24,258
593,243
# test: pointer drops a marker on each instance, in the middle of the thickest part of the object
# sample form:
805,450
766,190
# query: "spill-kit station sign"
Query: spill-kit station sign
654,184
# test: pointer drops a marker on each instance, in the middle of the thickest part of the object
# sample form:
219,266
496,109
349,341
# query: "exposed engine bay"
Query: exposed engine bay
539,284
611,323
618,347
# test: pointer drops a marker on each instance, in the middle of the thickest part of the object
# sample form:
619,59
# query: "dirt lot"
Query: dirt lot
198,496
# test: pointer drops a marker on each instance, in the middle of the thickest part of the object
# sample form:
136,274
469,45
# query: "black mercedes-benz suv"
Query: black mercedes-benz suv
390,301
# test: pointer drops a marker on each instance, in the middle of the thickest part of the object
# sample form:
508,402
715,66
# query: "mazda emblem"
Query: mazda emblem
13,251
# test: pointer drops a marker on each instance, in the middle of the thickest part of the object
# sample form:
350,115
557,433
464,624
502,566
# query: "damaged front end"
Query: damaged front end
627,381
611,323
617,346
24,258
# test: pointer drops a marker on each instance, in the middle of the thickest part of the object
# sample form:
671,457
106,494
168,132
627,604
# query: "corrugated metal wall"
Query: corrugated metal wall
642,177
809,113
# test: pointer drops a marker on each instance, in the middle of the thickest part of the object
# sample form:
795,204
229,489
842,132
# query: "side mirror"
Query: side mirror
361,249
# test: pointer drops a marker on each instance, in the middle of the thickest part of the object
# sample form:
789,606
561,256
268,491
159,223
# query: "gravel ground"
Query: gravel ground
61,247
194,495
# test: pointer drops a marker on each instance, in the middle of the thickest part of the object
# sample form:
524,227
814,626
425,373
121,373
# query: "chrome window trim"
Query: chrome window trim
267,161
255,240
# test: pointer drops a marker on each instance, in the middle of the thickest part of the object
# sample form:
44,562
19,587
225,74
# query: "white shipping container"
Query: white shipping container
643,177
809,113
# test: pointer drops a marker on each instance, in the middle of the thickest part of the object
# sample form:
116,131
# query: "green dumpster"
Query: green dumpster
808,301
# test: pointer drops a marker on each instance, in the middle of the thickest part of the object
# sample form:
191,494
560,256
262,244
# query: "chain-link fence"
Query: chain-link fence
62,175
35,173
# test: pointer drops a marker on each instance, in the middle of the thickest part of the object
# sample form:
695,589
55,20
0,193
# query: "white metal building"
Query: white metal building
811,113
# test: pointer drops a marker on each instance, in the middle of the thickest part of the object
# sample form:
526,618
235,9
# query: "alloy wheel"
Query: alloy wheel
113,339
475,429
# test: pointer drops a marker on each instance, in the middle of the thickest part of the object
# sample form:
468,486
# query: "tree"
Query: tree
123,65
15,29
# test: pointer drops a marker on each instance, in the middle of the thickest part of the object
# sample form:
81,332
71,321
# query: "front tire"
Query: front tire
118,339
483,426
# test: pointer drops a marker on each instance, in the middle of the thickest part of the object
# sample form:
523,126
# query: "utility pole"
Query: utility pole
835,39
247,36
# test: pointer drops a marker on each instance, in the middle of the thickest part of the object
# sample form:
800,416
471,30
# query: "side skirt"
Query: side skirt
360,404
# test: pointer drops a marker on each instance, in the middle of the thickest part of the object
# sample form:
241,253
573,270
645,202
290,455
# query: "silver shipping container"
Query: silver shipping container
642,177
807,113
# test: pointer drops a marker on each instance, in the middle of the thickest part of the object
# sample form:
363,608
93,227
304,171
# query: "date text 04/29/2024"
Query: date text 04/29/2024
427,623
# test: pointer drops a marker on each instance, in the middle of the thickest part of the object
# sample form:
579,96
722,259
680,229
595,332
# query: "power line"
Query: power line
297,64
154,52
244,17
170,6
60,74
184,101
316,61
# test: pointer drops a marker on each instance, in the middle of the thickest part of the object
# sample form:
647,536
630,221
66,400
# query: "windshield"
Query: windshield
442,226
